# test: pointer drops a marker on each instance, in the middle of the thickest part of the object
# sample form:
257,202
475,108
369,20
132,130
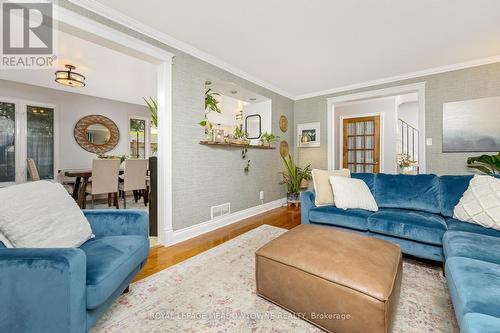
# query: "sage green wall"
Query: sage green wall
205,176
476,82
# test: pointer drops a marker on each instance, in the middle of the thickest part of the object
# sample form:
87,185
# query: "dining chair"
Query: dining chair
134,178
105,179
33,170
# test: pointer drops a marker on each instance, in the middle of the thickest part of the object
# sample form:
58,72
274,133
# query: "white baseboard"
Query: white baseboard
180,235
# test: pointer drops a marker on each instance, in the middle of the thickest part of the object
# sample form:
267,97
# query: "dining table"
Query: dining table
82,177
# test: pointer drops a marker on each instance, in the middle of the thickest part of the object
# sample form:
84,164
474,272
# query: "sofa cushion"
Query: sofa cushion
454,224
349,218
109,261
452,188
474,286
416,192
470,245
479,323
368,178
410,224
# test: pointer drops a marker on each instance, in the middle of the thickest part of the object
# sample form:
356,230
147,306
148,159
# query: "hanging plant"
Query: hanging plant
211,105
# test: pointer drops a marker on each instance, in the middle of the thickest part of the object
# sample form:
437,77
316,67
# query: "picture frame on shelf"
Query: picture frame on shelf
308,135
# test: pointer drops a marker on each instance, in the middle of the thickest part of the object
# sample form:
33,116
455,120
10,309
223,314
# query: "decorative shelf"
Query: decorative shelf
233,145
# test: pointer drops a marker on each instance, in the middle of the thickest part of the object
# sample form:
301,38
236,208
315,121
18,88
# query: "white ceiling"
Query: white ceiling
109,73
302,47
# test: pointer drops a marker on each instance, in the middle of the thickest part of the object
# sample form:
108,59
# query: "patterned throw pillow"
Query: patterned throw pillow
480,203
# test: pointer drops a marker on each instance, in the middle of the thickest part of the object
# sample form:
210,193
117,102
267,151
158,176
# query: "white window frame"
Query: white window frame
147,135
21,140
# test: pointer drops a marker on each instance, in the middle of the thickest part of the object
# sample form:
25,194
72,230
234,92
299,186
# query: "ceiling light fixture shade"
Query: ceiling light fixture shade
70,78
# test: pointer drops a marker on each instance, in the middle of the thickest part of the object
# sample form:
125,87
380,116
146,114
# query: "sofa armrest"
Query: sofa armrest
42,290
107,222
306,203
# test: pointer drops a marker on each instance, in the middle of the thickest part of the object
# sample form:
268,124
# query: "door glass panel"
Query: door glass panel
137,138
359,142
351,129
7,142
40,139
369,142
370,128
351,143
369,168
350,156
360,128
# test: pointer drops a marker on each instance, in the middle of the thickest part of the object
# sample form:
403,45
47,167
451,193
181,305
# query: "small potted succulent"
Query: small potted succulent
267,139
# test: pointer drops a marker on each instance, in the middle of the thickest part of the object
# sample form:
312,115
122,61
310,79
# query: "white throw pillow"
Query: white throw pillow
480,203
352,193
322,187
41,215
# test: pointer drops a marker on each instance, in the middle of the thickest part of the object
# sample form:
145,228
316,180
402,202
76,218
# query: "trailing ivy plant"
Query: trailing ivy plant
211,105
488,164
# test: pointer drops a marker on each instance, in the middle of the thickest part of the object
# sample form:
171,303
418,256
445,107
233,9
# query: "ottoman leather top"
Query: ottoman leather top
358,262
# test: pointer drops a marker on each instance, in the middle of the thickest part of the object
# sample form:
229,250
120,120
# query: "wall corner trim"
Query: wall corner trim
177,236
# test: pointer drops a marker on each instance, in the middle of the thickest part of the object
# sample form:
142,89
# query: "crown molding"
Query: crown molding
120,18
412,75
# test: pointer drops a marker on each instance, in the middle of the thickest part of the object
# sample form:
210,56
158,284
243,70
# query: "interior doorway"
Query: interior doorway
378,131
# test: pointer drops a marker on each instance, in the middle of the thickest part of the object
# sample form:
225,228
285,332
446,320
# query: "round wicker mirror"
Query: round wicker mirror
96,134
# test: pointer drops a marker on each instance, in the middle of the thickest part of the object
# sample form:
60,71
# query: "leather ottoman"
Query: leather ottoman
337,280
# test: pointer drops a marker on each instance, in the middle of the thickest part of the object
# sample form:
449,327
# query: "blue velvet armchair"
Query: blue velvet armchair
68,290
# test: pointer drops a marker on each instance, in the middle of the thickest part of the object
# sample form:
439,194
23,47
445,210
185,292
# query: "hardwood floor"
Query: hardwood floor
162,257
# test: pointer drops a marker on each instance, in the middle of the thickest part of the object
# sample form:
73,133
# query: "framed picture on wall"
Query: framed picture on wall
472,125
308,135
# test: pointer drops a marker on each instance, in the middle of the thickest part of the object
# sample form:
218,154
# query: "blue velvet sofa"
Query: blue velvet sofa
68,290
416,212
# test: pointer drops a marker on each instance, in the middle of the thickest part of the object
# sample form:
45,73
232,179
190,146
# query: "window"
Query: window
142,137
26,131
7,142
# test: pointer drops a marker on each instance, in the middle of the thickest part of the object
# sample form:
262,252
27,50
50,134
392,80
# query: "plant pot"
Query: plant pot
293,197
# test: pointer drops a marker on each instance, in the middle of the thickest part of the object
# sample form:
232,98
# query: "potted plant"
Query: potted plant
267,139
240,136
153,108
292,177
211,105
488,164
405,164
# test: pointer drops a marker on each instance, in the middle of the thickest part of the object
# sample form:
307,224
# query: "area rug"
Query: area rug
215,292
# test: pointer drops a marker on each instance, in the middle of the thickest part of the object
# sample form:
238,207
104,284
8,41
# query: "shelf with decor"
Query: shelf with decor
233,145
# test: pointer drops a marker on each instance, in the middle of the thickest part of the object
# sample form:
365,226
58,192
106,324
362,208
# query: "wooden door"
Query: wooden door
361,151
